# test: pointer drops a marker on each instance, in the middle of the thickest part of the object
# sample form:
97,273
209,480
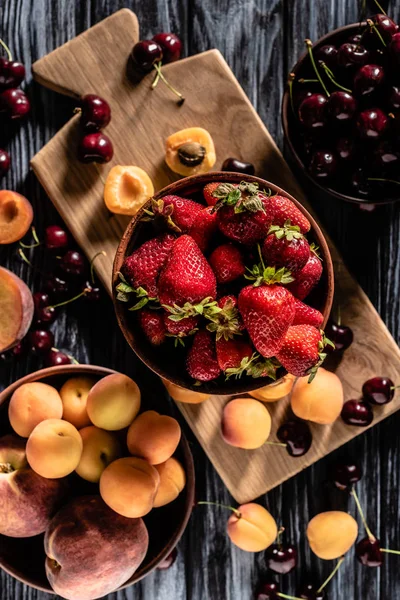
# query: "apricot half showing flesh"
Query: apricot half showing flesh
320,401
126,189
16,309
16,215
190,151
331,534
252,528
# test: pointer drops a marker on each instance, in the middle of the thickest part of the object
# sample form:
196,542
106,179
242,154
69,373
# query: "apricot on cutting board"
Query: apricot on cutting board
16,309
252,528
274,391
113,402
16,215
172,482
126,189
320,401
190,151
180,394
331,534
154,437
246,423
31,404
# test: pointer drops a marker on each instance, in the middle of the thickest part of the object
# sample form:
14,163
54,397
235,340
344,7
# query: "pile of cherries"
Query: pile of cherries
375,392
347,103
94,145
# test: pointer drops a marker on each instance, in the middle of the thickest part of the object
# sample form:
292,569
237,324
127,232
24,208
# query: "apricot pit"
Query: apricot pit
190,151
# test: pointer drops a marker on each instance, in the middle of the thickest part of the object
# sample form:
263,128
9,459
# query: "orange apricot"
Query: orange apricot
172,482
154,437
31,404
16,309
126,189
275,391
252,528
331,534
320,401
246,423
16,215
190,151
180,394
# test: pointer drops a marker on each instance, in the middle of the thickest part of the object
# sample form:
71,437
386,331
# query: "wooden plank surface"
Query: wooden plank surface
260,40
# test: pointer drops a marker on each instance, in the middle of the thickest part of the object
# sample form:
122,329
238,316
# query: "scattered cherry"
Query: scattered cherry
12,73
56,287
92,292
346,474
357,412
237,166
352,55
309,591
95,147
5,163
312,111
55,358
341,106
360,185
44,313
73,263
168,561
281,558
368,79
95,112
378,390
372,123
340,335
369,553
146,54
268,590
170,45
56,238
15,103
41,341
323,164
297,437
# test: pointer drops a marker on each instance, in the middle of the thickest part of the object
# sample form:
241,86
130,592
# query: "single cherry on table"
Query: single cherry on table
95,147
378,390
5,162
41,341
95,112
55,358
12,73
341,335
310,591
268,590
368,552
145,54
170,45
297,437
345,474
56,238
238,166
45,314
14,103
357,412
73,263
281,558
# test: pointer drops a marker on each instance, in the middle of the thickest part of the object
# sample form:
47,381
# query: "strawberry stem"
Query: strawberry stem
235,510
311,55
7,49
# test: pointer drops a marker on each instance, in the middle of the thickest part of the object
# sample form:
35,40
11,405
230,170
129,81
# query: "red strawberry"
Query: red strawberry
301,350
306,315
227,263
203,228
225,322
306,279
230,353
142,267
208,193
152,323
201,361
186,276
180,328
284,210
179,213
231,299
286,247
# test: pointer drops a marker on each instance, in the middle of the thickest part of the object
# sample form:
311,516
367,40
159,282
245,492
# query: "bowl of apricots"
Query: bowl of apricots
223,283
85,470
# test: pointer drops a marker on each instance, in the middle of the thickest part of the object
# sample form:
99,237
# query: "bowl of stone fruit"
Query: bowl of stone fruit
223,283
95,489
341,113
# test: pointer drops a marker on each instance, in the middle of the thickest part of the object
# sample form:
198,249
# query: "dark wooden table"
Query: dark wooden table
260,39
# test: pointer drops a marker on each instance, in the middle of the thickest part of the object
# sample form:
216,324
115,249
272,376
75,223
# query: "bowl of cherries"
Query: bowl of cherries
341,113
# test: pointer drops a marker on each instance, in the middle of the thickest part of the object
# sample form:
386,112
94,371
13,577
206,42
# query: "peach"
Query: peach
129,486
275,391
16,309
246,423
113,402
16,215
90,550
252,528
154,437
320,401
100,448
172,482
331,534
54,448
27,500
74,395
180,394
31,404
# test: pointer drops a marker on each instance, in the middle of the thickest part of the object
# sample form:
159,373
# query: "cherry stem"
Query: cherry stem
156,80
376,30
75,362
331,76
388,551
171,87
291,79
235,510
35,237
261,256
92,264
6,48
361,513
281,595
28,262
311,55
384,180
276,444
339,315
100,174
279,534
85,291
363,10
332,575
307,80
380,7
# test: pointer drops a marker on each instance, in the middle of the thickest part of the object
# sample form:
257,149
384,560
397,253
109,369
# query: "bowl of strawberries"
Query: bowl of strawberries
224,282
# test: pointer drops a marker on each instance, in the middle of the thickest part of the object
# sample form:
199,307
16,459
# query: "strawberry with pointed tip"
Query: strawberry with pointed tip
204,227
286,247
302,351
152,324
227,263
178,213
284,209
208,192
306,279
230,353
201,361
306,315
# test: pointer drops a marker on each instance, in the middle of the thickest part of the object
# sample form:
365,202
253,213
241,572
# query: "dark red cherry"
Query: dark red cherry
394,96
359,184
268,590
44,313
73,263
368,552
5,163
352,55
323,164
96,112
14,103
41,341
345,149
394,48
281,558
386,158
386,26
378,390
56,287
368,79
345,474
328,55
146,54
55,358
170,45
357,412
372,123
237,166
300,93
340,335
309,591
12,73
312,111
17,352
341,106
168,561
355,39
95,147
93,292
297,437
56,238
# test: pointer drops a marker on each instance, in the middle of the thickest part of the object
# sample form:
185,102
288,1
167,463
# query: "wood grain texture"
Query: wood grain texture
260,40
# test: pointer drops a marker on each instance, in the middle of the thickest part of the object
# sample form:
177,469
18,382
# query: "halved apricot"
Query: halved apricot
126,189
16,215
16,309
190,151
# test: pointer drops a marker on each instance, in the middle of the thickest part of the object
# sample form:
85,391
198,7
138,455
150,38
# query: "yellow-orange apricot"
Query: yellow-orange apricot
100,448
180,394
320,401
154,437
252,528
246,423
274,391
172,482
74,394
331,534
113,402
31,404
16,215
190,151
126,189
129,486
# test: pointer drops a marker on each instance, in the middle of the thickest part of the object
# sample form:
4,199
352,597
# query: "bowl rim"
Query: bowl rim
176,188
183,445
285,108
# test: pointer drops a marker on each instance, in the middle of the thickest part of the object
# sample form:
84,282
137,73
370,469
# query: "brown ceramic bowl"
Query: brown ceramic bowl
167,361
291,127
24,558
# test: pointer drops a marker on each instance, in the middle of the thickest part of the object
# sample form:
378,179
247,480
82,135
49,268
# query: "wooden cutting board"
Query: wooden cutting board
96,62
